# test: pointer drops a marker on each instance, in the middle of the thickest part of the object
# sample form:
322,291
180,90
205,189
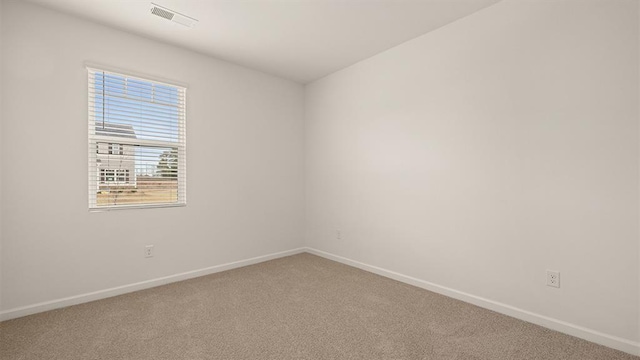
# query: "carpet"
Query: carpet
298,307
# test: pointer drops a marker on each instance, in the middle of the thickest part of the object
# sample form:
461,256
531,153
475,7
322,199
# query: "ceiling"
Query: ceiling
301,40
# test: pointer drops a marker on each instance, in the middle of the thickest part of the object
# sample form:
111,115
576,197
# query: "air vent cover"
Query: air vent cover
155,10
173,16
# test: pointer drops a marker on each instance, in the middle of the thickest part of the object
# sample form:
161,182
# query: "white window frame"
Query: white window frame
94,177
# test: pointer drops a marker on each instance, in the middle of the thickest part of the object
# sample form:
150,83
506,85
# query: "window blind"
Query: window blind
137,142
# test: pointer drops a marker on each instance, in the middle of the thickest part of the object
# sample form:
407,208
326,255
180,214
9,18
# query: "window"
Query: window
115,149
137,142
116,176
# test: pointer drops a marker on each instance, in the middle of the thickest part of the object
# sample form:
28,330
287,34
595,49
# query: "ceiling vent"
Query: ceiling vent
173,16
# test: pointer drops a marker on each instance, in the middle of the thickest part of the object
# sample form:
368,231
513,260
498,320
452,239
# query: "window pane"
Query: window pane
148,175
154,111
137,141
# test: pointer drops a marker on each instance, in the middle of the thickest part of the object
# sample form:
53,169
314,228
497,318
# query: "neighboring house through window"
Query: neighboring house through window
116,160
116,149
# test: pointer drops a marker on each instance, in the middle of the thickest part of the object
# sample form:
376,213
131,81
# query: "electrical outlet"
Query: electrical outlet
338,234
148,251
553,278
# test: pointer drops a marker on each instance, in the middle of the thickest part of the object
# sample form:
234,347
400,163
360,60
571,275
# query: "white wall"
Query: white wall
1,141
481,154
244,145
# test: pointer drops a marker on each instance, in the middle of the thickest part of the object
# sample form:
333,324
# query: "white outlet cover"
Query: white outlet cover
148,251
553,278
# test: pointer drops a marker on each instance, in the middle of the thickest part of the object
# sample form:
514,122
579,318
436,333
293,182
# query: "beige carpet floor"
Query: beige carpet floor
298,307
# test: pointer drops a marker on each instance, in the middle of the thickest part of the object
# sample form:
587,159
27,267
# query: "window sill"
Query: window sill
136,206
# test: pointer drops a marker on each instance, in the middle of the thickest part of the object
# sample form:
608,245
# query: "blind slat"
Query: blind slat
138,85
110,98
120,87
123,107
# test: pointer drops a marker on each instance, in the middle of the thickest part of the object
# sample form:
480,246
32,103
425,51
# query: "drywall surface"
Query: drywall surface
1,141
244,161
480,155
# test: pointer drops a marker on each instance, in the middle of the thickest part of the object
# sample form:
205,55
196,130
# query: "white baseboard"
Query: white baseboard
597,337
102,294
